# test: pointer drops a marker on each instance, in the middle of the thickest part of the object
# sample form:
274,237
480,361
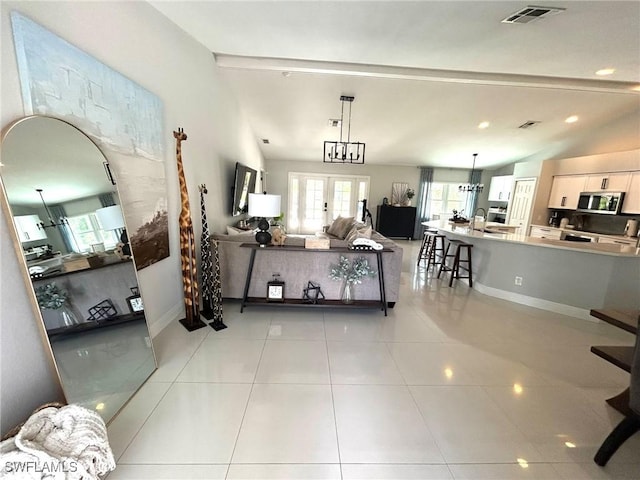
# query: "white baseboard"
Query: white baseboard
535,302
173,314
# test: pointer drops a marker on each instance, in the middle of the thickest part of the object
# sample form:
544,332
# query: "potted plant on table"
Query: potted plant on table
350,273
52,297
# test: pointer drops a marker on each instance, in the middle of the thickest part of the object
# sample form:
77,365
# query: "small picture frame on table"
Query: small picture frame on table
135,301
275,289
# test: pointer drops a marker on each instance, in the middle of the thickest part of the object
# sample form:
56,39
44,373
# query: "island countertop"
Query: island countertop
587,247
566,277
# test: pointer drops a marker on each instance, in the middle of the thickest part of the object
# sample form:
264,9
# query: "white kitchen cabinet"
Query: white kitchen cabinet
500,188
543,232
29,229
566,190
612,182
631,202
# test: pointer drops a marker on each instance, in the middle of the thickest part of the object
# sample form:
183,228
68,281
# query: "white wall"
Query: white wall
382,177
137,41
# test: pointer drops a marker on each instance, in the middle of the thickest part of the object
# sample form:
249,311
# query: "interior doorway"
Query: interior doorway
520,207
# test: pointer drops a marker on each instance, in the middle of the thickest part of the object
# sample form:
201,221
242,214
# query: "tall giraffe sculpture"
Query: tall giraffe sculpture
210,268
187,248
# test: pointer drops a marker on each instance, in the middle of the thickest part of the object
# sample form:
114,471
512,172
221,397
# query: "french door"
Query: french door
316,200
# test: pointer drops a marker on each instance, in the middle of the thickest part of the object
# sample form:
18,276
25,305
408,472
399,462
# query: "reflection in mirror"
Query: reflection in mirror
72,235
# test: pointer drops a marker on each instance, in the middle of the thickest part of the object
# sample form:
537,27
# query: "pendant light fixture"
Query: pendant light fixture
472,187
52,222
341,151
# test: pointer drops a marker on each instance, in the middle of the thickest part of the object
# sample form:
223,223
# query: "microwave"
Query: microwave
600,202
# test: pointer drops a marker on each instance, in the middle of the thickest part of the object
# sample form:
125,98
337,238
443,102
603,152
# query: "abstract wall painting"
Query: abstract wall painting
60,80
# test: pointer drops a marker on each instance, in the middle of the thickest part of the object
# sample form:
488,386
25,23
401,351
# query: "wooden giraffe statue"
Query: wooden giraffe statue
187,247
210,269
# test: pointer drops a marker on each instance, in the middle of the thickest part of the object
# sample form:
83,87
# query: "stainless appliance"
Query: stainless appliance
600,202
631,229
572,237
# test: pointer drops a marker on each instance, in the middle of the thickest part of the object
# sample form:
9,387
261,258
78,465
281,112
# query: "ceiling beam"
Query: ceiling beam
423,74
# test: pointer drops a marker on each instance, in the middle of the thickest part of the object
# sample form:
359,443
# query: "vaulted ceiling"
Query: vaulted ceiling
424,74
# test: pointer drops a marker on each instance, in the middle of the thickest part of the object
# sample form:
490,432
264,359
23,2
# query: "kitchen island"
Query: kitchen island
567,277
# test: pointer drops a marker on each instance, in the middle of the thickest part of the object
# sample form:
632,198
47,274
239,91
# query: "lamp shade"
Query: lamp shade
110,217
264,205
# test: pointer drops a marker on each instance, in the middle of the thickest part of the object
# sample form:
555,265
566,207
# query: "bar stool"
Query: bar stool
457,260
436,252
426,245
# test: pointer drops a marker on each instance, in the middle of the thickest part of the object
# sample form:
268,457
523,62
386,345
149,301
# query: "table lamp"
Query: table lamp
263,205
110,218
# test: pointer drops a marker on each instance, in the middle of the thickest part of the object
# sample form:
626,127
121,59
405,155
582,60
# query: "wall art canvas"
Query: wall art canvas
398,193
60,80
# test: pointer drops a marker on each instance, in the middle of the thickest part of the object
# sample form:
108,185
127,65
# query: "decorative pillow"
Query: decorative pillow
358,231
237,231
341,226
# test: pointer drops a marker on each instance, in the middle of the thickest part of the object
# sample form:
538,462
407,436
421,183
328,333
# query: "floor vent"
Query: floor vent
529,124
531,13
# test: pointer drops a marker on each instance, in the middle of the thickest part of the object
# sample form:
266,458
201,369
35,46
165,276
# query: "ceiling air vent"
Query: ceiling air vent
531,13
265,141
529,124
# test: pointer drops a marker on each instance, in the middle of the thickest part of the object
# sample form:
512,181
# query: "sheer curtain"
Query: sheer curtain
58,212
475,177
106,199
423,214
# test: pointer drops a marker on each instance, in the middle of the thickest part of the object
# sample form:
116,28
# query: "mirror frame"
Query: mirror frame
24,270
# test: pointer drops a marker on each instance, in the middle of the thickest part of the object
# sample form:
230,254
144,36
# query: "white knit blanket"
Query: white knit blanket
68,443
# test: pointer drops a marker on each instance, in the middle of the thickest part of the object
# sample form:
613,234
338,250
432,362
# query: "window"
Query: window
444,198
87,231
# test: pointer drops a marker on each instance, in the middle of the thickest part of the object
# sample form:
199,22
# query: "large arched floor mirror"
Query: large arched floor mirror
69,232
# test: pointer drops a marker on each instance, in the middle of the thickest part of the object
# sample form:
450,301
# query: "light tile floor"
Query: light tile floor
452,384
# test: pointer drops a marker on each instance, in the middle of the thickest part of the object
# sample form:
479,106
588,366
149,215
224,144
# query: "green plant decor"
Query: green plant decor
410,193
351,272
50,296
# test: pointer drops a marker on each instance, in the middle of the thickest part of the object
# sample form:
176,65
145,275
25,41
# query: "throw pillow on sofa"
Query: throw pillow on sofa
341,226
358,231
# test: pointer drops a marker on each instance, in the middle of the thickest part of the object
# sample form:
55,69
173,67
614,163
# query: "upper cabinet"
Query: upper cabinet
565,191
613,182
500,189
29,228
631,202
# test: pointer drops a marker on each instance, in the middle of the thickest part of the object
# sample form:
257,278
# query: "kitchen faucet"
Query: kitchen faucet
473,218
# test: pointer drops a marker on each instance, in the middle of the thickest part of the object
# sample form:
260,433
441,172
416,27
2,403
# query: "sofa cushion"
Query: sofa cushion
237,231
341,226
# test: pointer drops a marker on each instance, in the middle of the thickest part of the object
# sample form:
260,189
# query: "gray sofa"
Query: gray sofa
298,268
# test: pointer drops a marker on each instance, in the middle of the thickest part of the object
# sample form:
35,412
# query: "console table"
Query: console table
298,302
620,356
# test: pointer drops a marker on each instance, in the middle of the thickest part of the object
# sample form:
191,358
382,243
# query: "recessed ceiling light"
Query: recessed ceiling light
605,71
572,119
483,125
636,88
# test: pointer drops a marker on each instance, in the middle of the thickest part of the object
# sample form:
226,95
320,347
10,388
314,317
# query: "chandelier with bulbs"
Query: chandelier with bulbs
472,187
341,151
